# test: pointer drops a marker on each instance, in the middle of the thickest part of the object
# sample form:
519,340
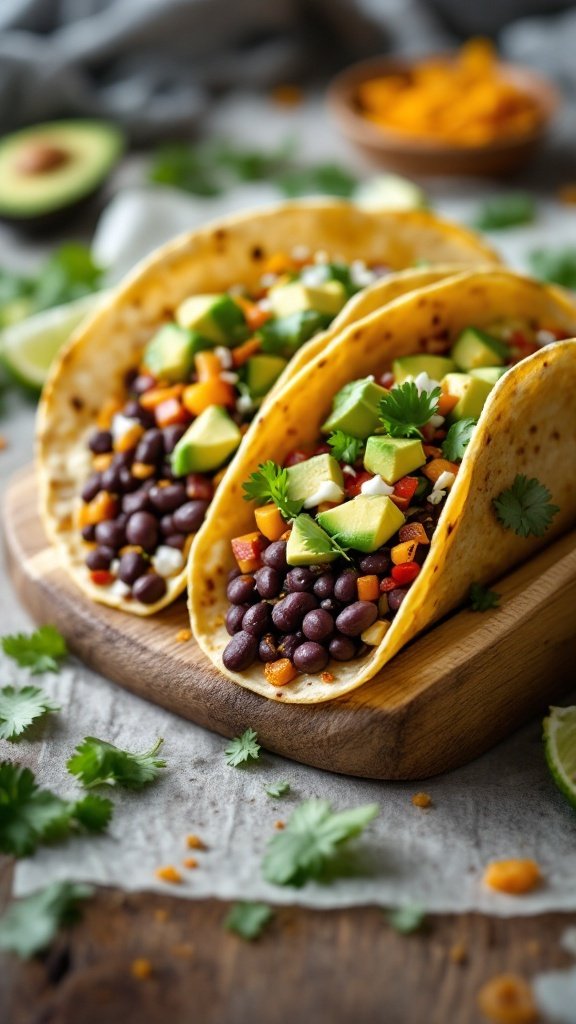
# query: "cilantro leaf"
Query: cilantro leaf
30,816
307,848
248,919
525,507
185,167
482,599
19,708
243,748
98,763
407,919
457,439
68,274
555,265
38,651
313,538
278,789
270,483
325,178
30,924
345,448
404,409
506,211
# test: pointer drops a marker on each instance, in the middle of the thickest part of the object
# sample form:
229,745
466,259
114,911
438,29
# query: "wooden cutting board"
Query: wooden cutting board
444,700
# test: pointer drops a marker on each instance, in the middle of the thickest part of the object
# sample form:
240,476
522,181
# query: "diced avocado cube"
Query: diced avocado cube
490,373
316,480
328,298
471,393
207,443
393,457
355,408
262,372
216,317
474,348
365,523
287,334
410,366
169,355
308,543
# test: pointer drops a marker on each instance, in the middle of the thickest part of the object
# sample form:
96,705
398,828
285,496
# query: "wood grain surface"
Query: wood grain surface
444,700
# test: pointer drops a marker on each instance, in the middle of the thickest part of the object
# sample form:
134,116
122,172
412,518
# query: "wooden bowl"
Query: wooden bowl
415,156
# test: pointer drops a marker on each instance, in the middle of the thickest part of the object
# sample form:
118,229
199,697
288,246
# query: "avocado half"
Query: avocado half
48,170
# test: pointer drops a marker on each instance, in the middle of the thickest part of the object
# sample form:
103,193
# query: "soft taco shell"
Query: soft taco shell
92,366
528,426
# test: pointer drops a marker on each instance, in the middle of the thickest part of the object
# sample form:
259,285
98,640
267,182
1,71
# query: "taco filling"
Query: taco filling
157,456
342,531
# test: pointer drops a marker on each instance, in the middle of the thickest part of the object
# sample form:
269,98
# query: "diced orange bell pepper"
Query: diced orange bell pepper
278,263
247,550
142,470
434,469
129,439
153,398
404,552
413,531
103,506
102,461
110,407
255,316
198,397
446,403
368,588
207,365
280,672
286,534
270,522
245,352
169,412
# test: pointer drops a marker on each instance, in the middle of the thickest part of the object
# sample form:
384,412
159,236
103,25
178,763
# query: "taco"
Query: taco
425,451
150,400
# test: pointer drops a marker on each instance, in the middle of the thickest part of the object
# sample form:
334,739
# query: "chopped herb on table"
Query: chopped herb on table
248,920
30,816
405,409
525,507
98,763
29,925
68,274
278,789
482,599
243,748
407,919
557,266
20,708
457,439
507,211
307,848
39,651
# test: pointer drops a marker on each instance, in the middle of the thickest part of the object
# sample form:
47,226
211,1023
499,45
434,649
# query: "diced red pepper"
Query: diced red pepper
102,577
406,572
169,412
386,380
353,483
406,487
387,584
199,487
247,550
293,458
323,449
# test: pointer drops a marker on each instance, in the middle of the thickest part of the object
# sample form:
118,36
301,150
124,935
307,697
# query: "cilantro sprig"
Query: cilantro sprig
20,708
248,920
314,539
243,748
270,483
345,447
525,507
457,439
506,211
39,651
30,924
277,789
98,763
482,599
307,848
30,816
405,409
407,919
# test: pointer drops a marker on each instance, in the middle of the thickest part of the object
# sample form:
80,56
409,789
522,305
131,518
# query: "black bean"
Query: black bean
138,501
299,579
376,564
166,499
190,516
234,617
134,411
129,378
123,460
176,540
88,533
341,648
111,480
275,555
142,529
100,442
143,382
110,533
172,435
289,644
128,483
233,574
150,447
317,624
167,524
310,657
268,582
149,588
242,590
132,566
324,585
357,617
345,588
240,652
332,606
395,598
287,615
267,650
122,518
100,558
92,487
257,619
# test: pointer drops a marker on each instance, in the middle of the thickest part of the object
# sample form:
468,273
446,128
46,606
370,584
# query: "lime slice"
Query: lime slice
28,347
390,192
560,747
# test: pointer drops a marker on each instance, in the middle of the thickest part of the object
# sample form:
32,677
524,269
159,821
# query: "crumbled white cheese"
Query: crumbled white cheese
229,377
435,497
224,357
267,280
167,561
300,252
313,276
244,404
265,305
328,490
360,274
436,420
376,486
545,338
349,470
425,383
119,589
444,481
121,425
321,256
114,566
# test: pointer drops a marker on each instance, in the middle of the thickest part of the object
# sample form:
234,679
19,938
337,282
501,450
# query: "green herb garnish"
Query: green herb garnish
407,919
39,651
457,439
248,920
525,507
329,179
405,409
20,708
557,266
345,447
315,539
30,924
68,274
30,816
98,763
506,211
243,748
270,483
307,848
278,789
185,167
482,599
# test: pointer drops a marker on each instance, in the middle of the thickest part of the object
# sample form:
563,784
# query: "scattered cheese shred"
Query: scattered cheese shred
513,876
194,842
183,636
190,862
508,999
141,969
422,800
458,953
169,874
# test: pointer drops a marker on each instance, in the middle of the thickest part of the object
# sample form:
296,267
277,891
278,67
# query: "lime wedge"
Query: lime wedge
560,748
28,347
